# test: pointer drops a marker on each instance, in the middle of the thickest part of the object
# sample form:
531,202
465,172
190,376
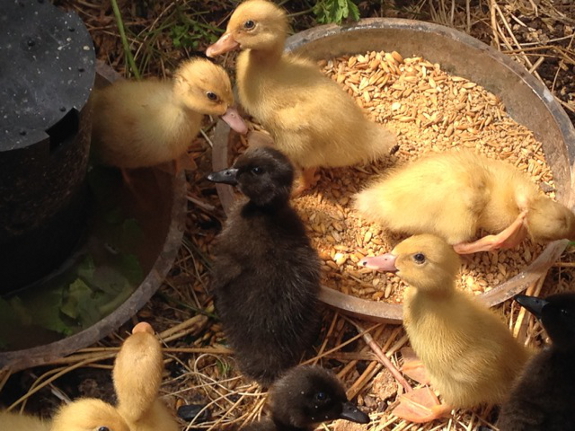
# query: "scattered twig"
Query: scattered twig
127,51
382,357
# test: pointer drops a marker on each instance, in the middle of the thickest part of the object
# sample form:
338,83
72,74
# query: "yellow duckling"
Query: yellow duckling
311,118
144,123
89,414
469,353
454,194
22,422
137,378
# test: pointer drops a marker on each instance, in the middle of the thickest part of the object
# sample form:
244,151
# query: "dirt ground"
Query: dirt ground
199,369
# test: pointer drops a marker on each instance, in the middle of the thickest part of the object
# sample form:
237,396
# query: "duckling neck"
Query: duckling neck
268,56
274,206
420,296
438,295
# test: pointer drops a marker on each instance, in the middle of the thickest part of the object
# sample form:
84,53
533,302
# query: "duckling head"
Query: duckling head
88,414
548,220
255,24
263,174
307,395
557,315
425,262
204,87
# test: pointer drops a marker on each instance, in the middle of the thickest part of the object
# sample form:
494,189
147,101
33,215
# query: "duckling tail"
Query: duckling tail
383,142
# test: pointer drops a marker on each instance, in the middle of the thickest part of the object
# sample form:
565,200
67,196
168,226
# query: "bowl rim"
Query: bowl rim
392,313
17,360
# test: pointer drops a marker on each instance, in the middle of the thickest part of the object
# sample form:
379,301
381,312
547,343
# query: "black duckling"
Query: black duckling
305,396
265,273
544,396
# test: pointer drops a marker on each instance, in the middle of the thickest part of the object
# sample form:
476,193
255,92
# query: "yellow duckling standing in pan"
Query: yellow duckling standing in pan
144,123
311,118
456,193
468,352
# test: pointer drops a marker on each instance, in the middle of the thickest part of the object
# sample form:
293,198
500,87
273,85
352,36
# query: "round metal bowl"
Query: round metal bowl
527,101
156,200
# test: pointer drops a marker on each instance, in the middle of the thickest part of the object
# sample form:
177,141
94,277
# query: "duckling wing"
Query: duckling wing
266,285
468,351
436,194
231,269
313,120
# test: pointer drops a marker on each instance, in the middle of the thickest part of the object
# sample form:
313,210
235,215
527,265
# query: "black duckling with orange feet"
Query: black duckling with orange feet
265,274
305,396
544,396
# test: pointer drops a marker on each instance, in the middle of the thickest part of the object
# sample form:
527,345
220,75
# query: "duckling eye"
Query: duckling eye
103,429
249,24
419,258
257,170
212,96
320,396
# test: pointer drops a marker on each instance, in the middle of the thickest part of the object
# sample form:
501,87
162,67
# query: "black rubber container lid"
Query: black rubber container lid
47,69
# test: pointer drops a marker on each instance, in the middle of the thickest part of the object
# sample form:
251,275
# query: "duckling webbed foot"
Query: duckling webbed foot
420,406
413,367
508,238
307,180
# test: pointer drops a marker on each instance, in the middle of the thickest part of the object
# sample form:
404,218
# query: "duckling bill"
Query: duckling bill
265,277
227,176
543,398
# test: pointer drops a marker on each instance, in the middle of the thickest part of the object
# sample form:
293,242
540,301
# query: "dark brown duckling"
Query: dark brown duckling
266,274
543,399
305,396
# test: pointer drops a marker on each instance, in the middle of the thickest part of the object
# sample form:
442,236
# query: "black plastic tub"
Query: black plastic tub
131,238
47,74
